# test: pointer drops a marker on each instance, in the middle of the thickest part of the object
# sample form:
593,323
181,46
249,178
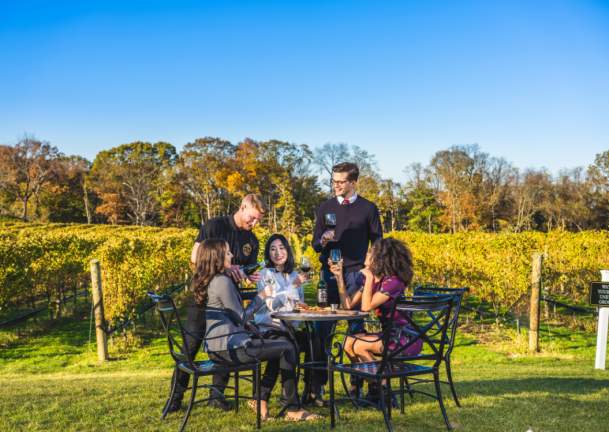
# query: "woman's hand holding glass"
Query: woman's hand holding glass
269,287
301,279
336,267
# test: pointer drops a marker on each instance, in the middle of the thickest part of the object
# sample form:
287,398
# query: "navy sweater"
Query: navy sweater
357,225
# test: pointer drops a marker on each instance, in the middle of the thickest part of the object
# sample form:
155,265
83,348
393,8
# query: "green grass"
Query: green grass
50,381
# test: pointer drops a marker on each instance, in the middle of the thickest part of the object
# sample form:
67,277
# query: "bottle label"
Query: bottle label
322,297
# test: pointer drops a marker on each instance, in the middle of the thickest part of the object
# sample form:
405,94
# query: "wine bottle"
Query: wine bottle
250,269
322,293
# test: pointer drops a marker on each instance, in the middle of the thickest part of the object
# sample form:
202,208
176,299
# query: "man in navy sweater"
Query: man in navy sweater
358,225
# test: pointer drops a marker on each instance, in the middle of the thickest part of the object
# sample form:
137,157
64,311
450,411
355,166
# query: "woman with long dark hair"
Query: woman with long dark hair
227,339
285,293
282,280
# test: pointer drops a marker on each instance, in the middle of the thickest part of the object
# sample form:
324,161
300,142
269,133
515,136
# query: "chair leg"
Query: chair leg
236,391
383,406
332,401
193,393
174,383
449,375
409,388
436,379
258,403
402,395
389,399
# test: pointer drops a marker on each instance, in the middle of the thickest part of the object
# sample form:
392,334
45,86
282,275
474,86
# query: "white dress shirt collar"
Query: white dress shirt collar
351,200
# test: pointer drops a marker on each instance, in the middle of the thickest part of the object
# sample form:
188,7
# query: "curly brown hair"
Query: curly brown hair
209,263
391,257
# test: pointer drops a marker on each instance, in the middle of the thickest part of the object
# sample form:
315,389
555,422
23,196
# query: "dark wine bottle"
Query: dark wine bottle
250,269
322,293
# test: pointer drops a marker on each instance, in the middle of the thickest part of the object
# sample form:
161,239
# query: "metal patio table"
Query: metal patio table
309,318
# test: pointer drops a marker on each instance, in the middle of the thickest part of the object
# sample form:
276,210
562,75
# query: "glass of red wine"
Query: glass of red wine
305,264
330,221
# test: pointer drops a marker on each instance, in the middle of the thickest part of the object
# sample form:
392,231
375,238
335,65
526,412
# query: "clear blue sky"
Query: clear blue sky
528,81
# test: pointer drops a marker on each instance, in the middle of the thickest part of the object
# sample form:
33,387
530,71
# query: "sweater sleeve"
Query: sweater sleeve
375,229
318,231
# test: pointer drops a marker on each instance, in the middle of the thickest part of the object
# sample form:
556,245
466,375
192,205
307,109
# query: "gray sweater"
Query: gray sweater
225,315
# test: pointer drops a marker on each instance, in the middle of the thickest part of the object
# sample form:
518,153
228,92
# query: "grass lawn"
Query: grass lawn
51,382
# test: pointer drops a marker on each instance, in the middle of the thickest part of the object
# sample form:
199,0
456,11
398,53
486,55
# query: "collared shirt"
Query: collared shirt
351,199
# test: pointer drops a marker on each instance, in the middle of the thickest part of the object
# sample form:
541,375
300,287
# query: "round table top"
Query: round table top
326,315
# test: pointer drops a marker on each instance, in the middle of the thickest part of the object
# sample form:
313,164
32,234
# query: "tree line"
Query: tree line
141,183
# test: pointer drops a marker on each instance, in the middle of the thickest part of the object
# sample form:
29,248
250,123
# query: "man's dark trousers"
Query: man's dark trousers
324,328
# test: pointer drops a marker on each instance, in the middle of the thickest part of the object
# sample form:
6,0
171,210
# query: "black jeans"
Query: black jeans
282,358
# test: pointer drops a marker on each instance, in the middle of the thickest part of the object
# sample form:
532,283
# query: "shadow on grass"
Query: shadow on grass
553,385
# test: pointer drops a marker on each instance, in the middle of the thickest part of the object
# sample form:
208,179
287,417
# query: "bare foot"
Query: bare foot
264,408
301,415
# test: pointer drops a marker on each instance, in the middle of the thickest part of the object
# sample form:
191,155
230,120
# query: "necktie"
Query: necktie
345,202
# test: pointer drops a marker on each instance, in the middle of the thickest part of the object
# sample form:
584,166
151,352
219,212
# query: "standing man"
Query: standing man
358,224
236,229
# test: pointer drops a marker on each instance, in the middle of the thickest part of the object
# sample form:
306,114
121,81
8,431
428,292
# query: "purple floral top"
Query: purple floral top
394,287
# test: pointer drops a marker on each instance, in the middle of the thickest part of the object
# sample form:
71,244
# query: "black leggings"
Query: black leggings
281,355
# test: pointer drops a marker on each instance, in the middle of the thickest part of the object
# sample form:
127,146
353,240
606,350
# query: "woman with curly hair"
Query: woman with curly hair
388,271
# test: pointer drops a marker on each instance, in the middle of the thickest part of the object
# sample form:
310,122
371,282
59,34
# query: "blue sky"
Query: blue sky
528,81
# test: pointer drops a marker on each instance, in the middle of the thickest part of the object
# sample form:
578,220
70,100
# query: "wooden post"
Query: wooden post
98,309
535,297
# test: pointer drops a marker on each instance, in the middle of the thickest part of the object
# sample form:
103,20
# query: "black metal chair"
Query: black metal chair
453,323
178,348
428,319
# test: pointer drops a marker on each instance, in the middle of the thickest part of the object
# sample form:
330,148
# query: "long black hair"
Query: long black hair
288,267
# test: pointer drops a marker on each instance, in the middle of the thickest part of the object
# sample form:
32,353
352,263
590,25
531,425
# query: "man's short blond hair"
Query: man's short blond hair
254,200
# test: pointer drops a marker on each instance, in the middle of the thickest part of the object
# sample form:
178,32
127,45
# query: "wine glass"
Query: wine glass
330,220
269,281
305,264
335,255
293,297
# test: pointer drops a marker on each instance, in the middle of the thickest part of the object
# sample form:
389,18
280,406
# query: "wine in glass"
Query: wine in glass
305,264
335,255
330,221
269,281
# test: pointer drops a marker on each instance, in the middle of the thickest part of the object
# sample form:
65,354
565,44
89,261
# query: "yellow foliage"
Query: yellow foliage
134,260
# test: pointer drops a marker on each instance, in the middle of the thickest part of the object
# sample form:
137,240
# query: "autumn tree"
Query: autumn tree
328,155
204,167
459,172
129,180
67,198
598,175
25,169
421,191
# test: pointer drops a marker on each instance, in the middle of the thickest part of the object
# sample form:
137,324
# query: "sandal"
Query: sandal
252,404
301,415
